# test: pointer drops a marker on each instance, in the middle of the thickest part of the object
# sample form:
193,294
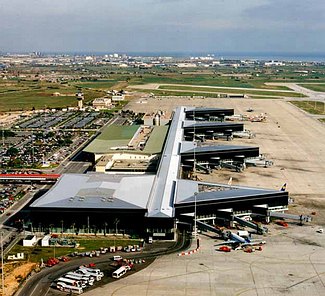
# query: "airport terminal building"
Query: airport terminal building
155,203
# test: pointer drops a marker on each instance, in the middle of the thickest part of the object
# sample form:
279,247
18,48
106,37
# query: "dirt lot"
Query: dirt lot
14,273
294,140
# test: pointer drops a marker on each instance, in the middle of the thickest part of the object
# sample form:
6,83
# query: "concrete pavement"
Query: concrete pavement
292,263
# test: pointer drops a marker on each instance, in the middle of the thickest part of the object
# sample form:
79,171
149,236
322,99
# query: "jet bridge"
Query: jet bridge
207,227
256,227
301,218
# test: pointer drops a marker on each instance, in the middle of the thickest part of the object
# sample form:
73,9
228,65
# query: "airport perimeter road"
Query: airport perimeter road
291,263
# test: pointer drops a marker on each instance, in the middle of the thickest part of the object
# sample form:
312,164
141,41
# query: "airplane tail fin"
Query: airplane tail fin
284,187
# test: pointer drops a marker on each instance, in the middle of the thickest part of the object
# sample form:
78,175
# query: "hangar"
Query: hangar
150,204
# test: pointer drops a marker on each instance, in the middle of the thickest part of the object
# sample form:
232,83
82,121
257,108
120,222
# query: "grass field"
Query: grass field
35,254
312,107
230,91
208,80
179,93
314,87
97,84
25,96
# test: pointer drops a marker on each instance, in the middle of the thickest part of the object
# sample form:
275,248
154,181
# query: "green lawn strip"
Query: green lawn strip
263,97
97,84
322,120
312,107
179,93
229,90
208,80
314,87
35,254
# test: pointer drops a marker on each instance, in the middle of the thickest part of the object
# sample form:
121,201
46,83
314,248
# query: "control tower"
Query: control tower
80,98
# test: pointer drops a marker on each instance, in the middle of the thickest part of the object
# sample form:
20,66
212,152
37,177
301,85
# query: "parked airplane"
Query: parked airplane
237,242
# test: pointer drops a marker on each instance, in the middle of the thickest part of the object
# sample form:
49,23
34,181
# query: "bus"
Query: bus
84,275
71,282
68,288
84,272
121,271
79,277
92,270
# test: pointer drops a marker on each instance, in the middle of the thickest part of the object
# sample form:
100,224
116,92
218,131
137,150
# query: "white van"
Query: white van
117,258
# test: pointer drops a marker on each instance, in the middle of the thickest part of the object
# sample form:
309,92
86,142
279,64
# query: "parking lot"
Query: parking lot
58,119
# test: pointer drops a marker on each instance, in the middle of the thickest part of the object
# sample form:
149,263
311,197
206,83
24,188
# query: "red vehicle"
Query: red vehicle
225,249
64,259
249,250
282,223
51,262
91,265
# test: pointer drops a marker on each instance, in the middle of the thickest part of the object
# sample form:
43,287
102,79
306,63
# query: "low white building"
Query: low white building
29,241
118,97
45,242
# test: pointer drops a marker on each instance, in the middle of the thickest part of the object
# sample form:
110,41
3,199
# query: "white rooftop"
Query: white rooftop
98,191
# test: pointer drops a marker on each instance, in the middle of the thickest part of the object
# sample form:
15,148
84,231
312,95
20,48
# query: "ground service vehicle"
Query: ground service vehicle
225,249
67,288
121,271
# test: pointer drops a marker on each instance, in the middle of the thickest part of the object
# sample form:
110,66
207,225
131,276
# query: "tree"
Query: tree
12,151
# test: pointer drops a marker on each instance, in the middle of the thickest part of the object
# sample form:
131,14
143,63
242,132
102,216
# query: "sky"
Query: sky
294,26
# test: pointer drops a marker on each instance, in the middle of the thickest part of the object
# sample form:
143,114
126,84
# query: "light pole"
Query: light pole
2,266
62,228
194,164
116,222
195,227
